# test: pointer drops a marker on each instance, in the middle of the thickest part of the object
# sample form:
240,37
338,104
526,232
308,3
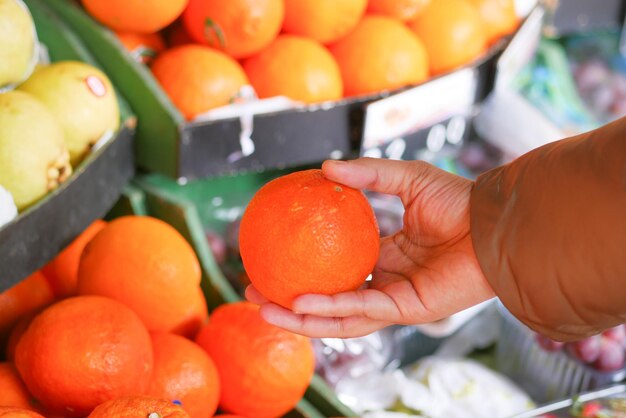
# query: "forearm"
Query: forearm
549,231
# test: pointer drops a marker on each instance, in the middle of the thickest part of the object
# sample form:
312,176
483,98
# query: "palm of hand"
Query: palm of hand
425,267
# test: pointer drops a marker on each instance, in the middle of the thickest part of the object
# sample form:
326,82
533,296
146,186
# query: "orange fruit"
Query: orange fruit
404,10
198,78
238,27
62,271
184,372
380,54
196,315
453,33
142,47
145,264
313,74
498,16
264,370
29,295
13,412
140,16
16,334
138,407
325,21
83,351
13,392
302,233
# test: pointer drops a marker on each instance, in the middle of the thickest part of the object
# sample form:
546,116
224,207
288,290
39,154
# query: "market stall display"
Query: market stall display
273,132
147,270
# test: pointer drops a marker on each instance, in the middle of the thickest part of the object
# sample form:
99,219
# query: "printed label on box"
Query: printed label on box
418,108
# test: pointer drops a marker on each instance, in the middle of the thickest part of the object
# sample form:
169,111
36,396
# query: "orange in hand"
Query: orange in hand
264,370
138,407
13,392
404,10
184,372
198,78
313,74
302,233
499,16
380,54
325,21
238,27
82,351
140,16
148,266
453,33
62,271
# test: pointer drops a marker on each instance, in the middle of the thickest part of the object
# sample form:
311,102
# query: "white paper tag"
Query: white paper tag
248,105
521,49
420,107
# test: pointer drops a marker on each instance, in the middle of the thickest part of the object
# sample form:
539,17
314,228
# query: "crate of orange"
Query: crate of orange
117,325
63,130
314,65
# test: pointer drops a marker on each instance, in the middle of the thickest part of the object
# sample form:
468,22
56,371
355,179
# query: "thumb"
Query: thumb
402,178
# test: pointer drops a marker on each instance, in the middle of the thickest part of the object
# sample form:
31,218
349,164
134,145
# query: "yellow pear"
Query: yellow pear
17,42
81,98
33,157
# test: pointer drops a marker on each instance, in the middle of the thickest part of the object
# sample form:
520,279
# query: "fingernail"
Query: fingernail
334,163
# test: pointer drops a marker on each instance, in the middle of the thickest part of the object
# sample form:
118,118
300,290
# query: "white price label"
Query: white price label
418,108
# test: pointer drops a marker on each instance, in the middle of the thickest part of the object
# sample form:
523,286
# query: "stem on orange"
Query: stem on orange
212,28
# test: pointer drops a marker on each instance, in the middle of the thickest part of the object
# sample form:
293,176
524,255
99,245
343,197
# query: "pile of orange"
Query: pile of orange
308,50
116,325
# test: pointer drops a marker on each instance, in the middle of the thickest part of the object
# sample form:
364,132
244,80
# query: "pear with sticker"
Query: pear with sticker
82,99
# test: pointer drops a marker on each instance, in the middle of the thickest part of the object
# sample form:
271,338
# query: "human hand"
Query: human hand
425,272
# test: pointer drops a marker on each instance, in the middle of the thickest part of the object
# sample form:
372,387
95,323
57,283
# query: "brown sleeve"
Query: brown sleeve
549,231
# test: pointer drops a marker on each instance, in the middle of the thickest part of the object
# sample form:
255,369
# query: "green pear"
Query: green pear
17,42
33,157
82,99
